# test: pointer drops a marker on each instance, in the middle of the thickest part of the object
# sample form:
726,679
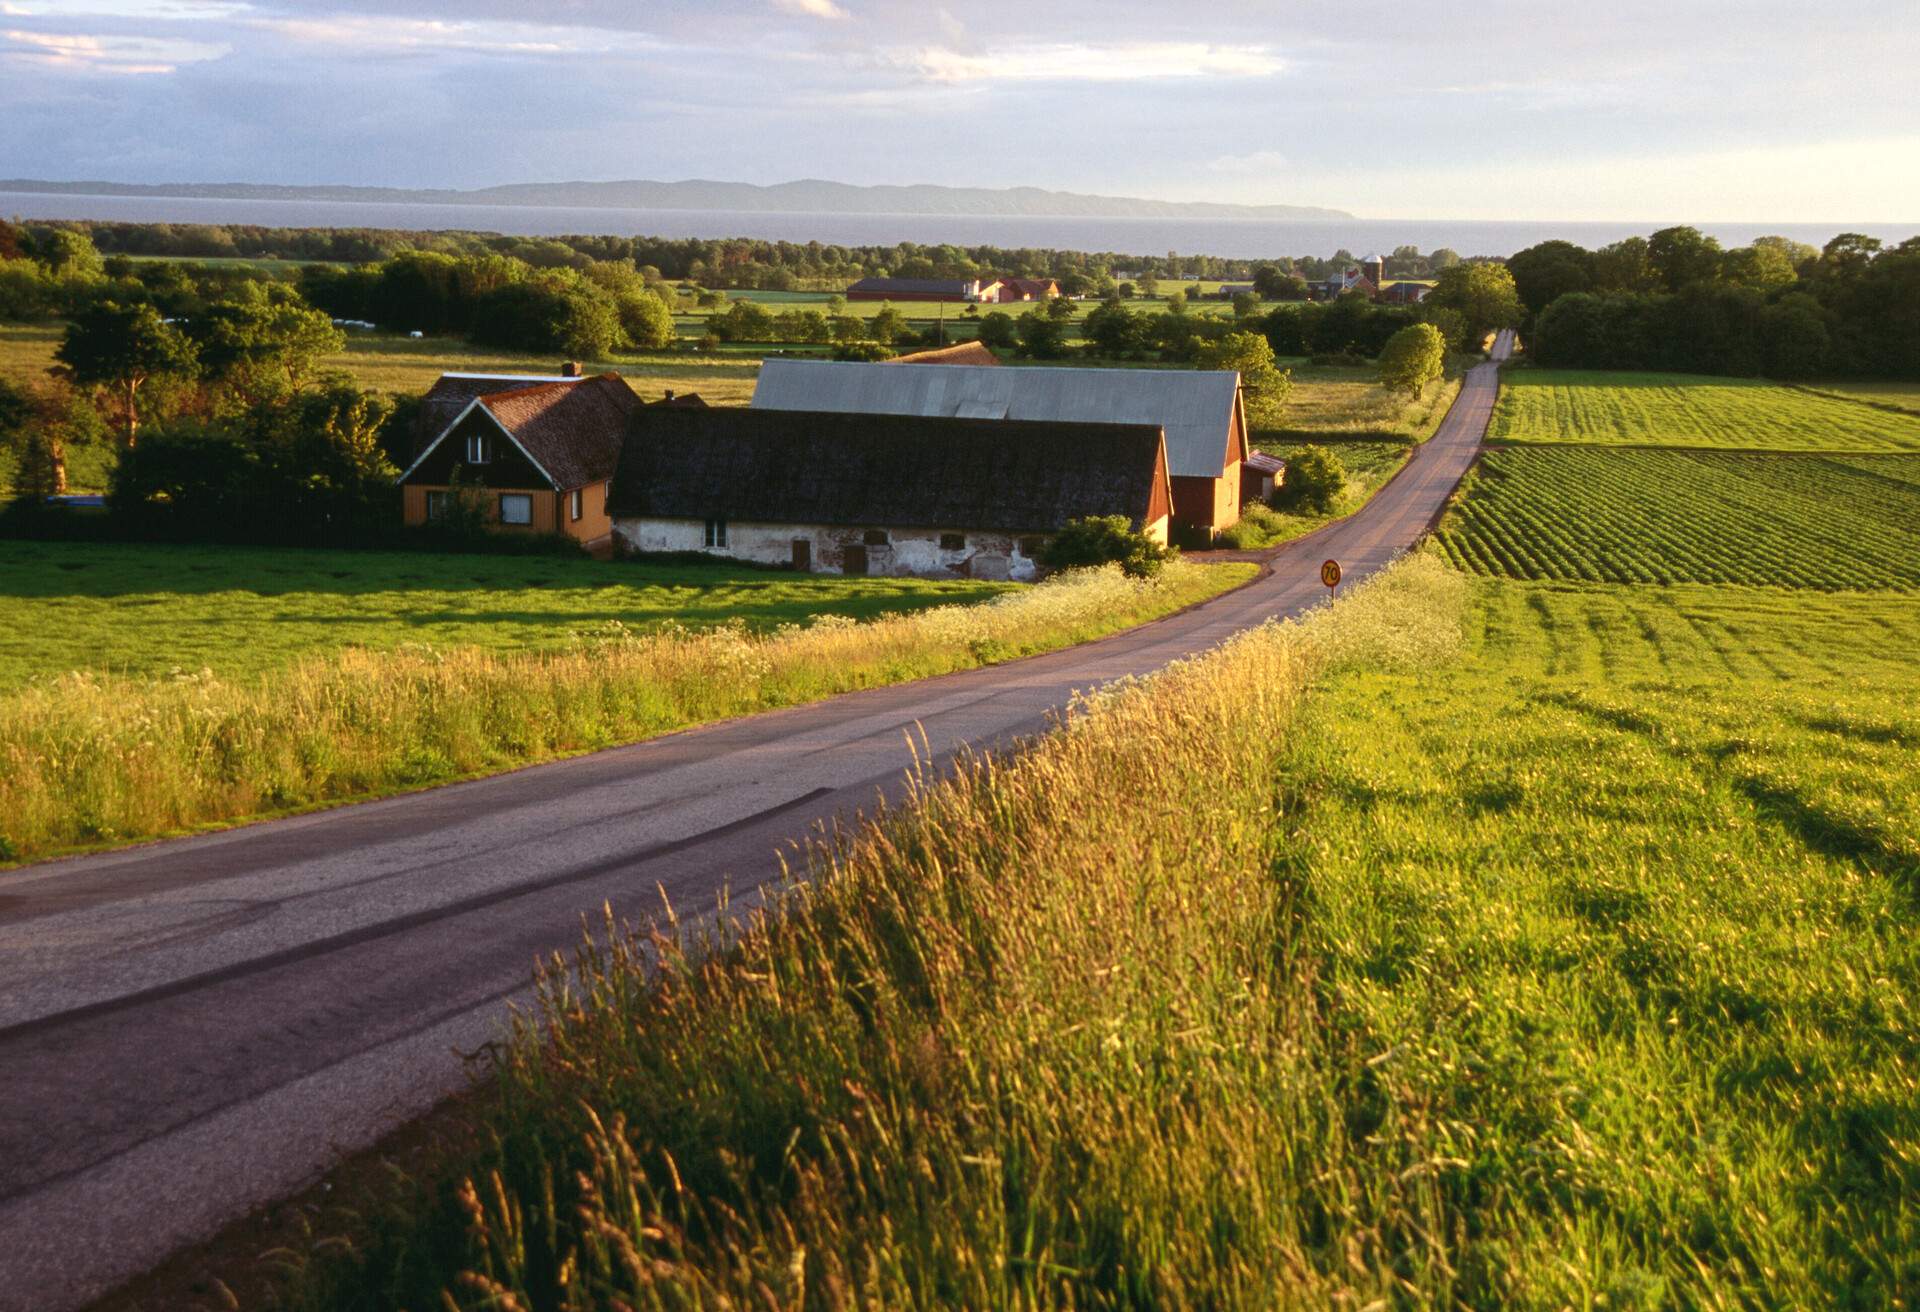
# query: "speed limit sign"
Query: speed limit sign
1330,573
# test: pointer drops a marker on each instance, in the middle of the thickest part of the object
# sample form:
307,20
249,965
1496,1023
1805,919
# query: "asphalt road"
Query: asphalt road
193,1028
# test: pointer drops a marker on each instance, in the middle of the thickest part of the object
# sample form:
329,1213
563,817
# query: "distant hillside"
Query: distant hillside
806,196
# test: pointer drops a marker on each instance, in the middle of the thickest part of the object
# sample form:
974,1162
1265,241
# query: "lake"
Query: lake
1232,238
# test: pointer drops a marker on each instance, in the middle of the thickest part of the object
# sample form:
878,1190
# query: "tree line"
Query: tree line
1678,301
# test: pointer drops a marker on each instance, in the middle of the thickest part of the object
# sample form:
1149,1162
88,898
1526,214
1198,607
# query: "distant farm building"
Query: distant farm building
922,289
1200,412
1405,291
1350,279
887,494
1261,476
974,352
539,457
1025,289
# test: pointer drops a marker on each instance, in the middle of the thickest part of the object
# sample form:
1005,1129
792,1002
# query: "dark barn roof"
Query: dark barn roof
906,471
917,286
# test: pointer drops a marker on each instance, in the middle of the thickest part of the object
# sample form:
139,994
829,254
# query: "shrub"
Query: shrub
864,352
1314,483
1105,539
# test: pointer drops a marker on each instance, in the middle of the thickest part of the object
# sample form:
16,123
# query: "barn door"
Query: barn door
802,555
855,559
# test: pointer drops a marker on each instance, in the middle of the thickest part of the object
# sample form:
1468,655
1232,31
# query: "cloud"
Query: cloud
85,53
812,8
1074,62
1255,164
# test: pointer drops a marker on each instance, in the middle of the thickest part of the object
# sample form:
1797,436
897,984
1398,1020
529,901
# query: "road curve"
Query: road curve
196,1027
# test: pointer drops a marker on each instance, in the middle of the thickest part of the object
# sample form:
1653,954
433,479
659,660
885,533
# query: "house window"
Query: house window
436,506
953,542
717,532
516,508
479,448
575,504
876,537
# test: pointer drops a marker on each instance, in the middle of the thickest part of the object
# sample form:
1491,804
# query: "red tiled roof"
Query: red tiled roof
573,430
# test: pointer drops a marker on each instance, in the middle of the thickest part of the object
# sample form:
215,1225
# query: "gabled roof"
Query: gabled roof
802,467
1032,286
974,352
451,394
1194,407
570,428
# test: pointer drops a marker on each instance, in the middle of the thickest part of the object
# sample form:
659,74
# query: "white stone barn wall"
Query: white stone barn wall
909,551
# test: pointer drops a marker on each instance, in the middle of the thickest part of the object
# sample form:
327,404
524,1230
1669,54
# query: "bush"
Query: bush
1314,482
1259,527
862,352
1105,539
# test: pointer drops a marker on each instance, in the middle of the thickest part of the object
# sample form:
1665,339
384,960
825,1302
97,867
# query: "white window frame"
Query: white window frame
479,449
437,503
576,504
524,498
716,534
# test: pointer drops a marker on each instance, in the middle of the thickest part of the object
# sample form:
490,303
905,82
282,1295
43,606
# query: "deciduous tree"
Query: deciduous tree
120,347
1265,386
1412,358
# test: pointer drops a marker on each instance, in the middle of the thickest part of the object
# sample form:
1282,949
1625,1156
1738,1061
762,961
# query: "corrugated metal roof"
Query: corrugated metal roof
1194,407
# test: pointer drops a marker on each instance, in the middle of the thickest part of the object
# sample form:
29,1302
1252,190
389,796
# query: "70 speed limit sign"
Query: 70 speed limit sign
1330,573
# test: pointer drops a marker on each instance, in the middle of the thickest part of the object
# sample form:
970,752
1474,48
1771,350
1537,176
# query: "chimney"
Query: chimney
571,369
669,395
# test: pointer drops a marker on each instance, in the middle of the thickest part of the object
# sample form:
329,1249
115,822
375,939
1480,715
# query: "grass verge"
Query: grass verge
90,760
1578,974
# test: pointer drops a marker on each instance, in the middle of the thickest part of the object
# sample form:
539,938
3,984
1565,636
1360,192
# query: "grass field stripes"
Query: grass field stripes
1683,410
1632,516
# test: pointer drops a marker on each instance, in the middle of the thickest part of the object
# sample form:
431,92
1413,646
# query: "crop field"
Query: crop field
1571,964
152,609
1632,409
1638,516
1904,396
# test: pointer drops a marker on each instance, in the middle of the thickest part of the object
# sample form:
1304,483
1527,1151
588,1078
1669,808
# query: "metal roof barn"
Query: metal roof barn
1195,408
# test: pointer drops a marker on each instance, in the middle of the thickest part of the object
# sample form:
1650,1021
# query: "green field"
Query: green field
1637,516
1486,944
1903,396
1553,406
153,609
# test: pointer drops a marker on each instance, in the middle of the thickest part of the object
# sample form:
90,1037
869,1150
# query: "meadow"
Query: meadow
1556,406
1648,516
1486,944
93,759
158,609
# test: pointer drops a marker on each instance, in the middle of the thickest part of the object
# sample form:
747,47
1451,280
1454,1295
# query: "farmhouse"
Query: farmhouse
540,455
1349,279
923,289
879,494
1025,289
451,394
1199,410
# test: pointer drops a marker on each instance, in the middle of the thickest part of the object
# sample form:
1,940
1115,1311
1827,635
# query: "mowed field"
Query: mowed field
151,609
1553,406
1650,516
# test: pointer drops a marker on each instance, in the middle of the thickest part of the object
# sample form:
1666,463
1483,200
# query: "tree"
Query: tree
1270,279
264,338
1624,267
1265,386
1313,484
889,325
1483,293
1544,273
1059,308
997,329
1683,256
1041,338
1115,331
1105,539
1148,284
1412,358
121,347
863,352
1245,305
68,255
646,321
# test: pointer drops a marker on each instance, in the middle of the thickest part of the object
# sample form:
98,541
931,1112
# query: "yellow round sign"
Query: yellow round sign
1330,573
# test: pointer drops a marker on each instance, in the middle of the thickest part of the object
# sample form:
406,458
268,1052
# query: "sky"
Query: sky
1606,109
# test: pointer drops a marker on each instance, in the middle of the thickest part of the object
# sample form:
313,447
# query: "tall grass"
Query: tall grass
87,759
1039,1039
